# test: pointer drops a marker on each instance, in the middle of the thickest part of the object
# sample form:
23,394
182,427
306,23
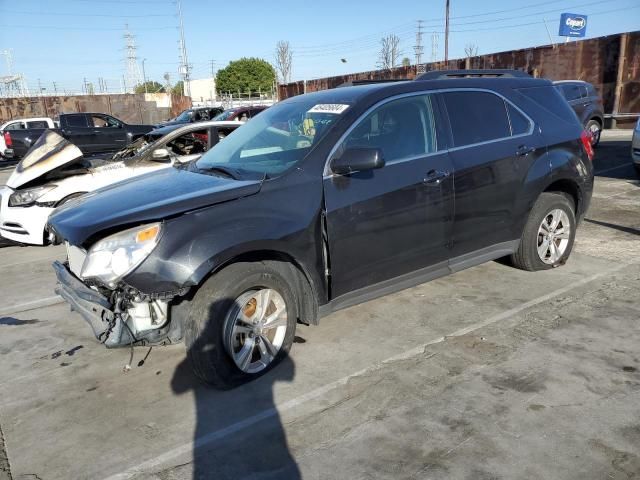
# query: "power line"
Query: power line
91,29
16,12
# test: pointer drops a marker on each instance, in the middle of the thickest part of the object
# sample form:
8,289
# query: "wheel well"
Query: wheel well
69,197
568,187
307,293
597,119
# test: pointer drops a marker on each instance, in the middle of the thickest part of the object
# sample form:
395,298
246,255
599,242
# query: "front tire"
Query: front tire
242,323
548,236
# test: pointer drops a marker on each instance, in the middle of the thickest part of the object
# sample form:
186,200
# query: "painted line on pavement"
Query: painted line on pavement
24,307
27,262
626,165
154,463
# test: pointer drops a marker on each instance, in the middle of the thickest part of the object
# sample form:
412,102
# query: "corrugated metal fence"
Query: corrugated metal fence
611,63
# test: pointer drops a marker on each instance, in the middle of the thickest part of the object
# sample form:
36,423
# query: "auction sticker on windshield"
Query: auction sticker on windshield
335,108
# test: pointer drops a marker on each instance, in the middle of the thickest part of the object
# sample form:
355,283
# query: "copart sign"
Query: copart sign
573,25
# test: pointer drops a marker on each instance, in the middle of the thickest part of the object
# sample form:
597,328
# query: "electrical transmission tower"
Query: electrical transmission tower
434,47
418,48
12,85
184,60
132,76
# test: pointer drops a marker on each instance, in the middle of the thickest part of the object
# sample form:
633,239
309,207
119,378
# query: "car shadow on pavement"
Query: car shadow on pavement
238,433
622,228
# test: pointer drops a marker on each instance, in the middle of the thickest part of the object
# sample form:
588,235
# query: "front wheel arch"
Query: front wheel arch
307,293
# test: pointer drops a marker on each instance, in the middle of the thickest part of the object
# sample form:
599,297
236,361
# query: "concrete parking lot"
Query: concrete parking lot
489,373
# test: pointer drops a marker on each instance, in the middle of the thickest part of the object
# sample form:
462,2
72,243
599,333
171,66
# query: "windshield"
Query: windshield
184,116
225,115
275,140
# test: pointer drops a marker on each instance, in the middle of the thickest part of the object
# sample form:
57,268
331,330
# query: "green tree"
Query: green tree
152,87
246,75
178,88
406,62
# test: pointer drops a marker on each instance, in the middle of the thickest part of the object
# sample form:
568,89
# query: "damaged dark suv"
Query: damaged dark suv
323,201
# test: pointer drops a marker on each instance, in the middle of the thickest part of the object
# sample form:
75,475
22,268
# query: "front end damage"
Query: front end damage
122,316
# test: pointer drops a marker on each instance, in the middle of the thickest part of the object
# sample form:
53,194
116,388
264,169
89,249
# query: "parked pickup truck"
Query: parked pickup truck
6,147
91,132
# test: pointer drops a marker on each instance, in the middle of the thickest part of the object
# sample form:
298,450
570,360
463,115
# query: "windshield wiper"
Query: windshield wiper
222,171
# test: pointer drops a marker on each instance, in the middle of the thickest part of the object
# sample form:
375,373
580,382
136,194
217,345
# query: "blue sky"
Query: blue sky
64,41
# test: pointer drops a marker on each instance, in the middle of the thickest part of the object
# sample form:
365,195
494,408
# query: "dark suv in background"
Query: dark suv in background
587,104
324,201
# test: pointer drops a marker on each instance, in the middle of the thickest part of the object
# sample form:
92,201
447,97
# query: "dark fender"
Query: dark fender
279,223
559,170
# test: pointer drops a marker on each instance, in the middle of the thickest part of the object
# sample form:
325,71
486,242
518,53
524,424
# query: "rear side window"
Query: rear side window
520,125
551,100
76,121
476,117
14,126
37,124
571,91
401,128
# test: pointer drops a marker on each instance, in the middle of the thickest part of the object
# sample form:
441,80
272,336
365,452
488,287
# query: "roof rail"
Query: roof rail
353,83
498,72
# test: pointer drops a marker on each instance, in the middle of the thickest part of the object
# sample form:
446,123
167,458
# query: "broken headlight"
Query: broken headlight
113,257
28,196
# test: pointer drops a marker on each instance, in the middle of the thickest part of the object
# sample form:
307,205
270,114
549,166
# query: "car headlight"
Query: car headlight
113,257
28,196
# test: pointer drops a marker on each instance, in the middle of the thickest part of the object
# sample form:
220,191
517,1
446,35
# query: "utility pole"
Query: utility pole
212,93
418,48
184,60
55,88
446,33
39,87
144,76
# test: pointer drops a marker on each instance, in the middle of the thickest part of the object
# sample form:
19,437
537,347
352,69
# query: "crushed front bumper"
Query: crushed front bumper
94,307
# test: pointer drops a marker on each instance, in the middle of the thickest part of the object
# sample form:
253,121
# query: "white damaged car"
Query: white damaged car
54,171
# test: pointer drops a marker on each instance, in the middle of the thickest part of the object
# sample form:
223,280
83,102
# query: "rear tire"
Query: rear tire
227,343
595,129
548,236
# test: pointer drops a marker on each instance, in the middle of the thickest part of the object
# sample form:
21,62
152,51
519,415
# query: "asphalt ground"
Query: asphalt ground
488,373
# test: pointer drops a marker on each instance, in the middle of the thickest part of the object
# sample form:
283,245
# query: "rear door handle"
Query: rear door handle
524,150
435,177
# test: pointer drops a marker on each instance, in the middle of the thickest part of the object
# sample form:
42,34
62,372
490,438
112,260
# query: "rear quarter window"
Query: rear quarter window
76,121
476,117
552,101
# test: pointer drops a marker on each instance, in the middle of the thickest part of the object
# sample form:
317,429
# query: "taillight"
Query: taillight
586,143
7,140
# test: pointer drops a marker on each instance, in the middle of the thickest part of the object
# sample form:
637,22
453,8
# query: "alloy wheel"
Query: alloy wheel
554,234
255,328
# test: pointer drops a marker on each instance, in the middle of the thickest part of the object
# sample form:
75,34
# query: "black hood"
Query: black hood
155,196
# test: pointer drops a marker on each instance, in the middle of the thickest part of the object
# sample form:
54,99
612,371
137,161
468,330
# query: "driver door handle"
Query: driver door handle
524,150
435,177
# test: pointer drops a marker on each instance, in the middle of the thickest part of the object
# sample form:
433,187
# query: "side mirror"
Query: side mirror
160,154
357,160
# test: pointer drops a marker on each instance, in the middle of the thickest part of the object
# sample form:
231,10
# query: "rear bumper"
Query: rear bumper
94,307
